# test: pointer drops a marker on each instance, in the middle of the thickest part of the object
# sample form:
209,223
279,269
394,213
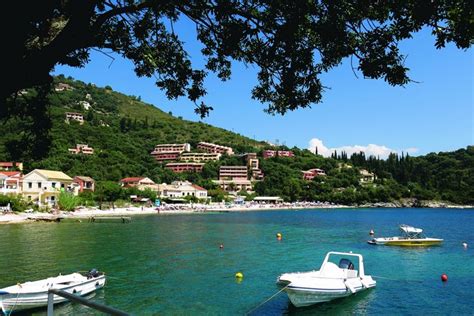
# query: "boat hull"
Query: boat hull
301,297
19,302
419,242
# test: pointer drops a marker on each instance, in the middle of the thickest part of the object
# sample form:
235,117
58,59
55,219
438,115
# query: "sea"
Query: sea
174,264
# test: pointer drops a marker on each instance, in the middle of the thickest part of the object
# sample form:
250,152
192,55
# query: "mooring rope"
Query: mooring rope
404,280
267,300
16,300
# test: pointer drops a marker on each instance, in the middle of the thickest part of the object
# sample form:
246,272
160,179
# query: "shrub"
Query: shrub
67,201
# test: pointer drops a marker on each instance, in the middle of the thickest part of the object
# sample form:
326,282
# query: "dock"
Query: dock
110,219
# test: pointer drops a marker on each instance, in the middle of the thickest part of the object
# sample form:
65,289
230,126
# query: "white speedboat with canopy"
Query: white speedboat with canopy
412,237
341,274
34,294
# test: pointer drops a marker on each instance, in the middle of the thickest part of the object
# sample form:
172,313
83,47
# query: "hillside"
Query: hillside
123,131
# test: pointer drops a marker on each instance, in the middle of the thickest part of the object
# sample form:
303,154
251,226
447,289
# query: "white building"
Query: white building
10,182
181,189
44,186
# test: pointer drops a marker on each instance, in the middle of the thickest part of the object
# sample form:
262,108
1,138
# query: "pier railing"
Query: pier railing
81,300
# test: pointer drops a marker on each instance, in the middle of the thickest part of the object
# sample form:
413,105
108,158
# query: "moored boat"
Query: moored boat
34,294
412,237
330,282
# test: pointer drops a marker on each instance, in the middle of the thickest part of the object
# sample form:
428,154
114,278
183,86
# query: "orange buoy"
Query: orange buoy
444,277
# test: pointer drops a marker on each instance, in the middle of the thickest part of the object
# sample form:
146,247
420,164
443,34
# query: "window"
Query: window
39,185
62,185
53,184
30,185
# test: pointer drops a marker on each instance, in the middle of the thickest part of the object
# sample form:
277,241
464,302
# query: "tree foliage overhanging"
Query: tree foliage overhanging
291,42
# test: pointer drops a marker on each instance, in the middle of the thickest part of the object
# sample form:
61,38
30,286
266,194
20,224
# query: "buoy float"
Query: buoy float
464,244
221,246
239,275
371,233
444,277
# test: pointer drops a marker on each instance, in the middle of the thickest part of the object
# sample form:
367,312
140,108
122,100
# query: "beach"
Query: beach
197,208
169,209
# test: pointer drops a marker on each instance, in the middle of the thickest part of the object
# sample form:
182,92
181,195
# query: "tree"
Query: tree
292,43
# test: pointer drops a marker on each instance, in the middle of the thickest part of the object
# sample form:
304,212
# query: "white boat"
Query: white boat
330,282
34,294
412,237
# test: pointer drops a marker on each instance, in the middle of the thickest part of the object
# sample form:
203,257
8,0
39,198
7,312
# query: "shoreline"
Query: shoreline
87,213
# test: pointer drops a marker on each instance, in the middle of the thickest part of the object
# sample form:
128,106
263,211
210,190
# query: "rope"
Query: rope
16,300
267,300
398,280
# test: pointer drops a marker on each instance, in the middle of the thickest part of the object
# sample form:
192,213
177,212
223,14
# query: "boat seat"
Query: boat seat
346,264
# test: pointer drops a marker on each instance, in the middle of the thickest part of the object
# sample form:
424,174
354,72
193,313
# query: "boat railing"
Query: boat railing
81,300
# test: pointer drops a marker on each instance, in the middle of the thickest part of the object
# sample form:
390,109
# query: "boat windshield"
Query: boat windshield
344,261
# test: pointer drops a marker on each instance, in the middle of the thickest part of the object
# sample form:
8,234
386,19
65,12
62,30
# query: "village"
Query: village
43,187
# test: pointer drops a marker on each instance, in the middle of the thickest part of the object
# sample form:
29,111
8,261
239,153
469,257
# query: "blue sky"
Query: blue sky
435,114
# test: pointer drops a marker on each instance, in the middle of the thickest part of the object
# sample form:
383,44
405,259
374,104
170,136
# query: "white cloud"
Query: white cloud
369,150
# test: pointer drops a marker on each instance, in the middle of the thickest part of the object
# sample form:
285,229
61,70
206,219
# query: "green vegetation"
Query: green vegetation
68,202
123,131
17,203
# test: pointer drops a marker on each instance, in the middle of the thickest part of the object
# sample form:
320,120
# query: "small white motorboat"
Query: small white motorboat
412,237
35,294
333,280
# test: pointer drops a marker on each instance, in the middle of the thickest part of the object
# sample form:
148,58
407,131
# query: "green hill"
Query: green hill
123,131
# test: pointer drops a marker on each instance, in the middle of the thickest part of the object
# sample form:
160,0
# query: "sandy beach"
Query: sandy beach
173,209
170,209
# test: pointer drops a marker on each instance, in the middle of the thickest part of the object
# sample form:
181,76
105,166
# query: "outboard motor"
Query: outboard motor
346,264
92,274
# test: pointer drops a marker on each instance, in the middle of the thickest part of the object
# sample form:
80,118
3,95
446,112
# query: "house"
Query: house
44,186
63,87
181,189
312,173
10,182
85,105
279,153
9,166
166,152
214,148
82,149
268,154
84,183
179,167
74,116
366,176
141,183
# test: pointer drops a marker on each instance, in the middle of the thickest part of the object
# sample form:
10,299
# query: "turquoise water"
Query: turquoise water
172,265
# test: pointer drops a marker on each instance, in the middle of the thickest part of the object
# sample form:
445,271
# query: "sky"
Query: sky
434,114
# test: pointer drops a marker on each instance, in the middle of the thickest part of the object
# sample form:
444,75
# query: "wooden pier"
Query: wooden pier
110,219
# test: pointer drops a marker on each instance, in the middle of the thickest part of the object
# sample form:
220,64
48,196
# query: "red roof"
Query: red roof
132,179
197,187
10,173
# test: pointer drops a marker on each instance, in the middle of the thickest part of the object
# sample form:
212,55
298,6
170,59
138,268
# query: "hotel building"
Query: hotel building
167,152
199,157
214,148
179,167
